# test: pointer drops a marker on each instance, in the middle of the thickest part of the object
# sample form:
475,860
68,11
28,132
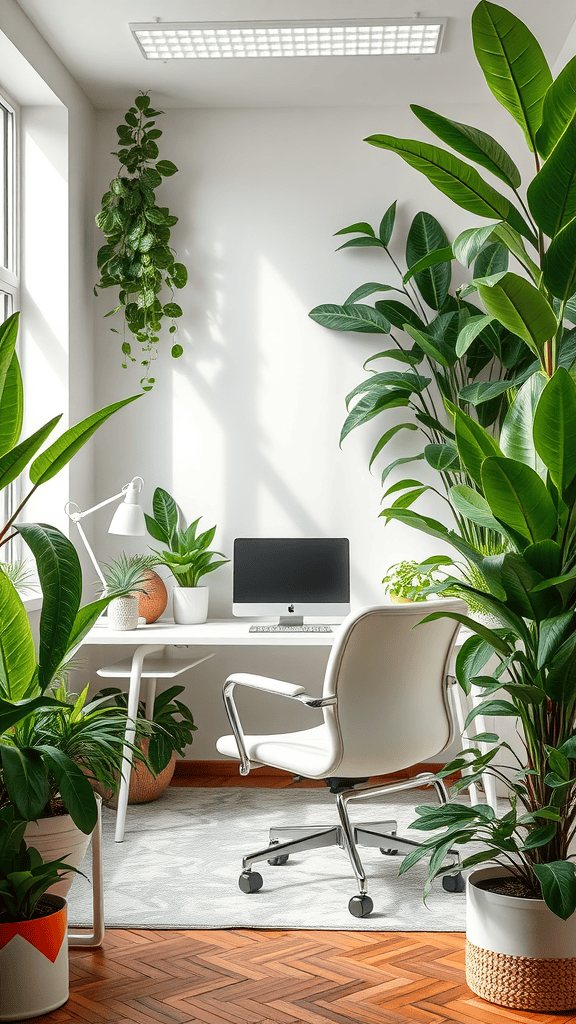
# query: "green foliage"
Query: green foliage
171,726
137,257
187,557
531,588
408,580
24,877
128,574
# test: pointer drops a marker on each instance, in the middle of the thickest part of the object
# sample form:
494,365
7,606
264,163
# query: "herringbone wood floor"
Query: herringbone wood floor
242,976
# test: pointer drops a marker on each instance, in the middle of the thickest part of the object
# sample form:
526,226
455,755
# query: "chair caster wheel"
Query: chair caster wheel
360,906
282,858
250,881
454,883
389,853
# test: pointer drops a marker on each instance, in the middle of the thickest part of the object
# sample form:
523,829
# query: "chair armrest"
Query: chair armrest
266,685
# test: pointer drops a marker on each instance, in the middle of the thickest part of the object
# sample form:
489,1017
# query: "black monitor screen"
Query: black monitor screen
299,570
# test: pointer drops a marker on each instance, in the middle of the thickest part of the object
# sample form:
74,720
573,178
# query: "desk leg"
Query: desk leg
95,938
133,698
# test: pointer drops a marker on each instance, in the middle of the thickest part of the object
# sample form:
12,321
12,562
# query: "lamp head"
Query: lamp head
128,519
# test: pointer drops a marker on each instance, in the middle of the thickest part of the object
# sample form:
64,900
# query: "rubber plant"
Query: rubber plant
537,223
137,258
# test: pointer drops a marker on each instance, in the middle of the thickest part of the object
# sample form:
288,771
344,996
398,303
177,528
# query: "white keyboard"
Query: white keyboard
291,629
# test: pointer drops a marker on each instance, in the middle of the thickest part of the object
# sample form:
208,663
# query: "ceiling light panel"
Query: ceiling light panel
362,38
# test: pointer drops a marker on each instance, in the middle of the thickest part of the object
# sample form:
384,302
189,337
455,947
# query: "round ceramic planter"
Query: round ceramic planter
34,963
518,953
154,601
190,605
58,838
123,613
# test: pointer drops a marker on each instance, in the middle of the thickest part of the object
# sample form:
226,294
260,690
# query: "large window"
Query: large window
9,256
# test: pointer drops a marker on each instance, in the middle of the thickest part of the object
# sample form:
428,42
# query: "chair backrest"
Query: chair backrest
389,678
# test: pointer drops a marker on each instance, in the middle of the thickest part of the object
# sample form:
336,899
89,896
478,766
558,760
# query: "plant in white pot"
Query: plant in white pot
126,578
33,927
187,557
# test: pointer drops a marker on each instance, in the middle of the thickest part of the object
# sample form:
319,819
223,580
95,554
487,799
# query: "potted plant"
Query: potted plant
167,733
33,927
187,557
126,578
408,581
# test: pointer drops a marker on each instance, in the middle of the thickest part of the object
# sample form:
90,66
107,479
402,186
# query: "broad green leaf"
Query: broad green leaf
470,243
560,682
362,242
522,309
61,581
11,407
15,460
8,338
559,109
361,227
26,780
54,458
492,260
74,786
353,317
479,393
471,504
425,237
516,438
411,357
165,512
471,143
412,383
474,654
552,193
559,263
513,63
553,632
442,457
515,245
555,428
387,224
17,653
474,444
519,498
398,313
444,255
470,332
520,581
489,635
558,883
368,289
400,462
11,714
545,556
435,349
433,528
401,485
371,405
456,179
155,530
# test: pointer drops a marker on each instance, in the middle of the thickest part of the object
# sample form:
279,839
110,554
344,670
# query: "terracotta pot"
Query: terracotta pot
153,603
143,786
34,963
518,953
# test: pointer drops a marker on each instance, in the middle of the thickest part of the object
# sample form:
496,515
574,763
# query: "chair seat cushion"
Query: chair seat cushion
309,753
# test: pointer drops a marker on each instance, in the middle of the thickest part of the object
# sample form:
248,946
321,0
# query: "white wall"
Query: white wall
244,428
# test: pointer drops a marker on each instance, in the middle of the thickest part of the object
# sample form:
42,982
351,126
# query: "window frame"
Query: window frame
10,183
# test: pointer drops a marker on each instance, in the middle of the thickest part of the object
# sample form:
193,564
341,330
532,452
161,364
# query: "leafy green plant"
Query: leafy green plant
172,723
187,557
408,579
137,257
526,490
27,672
479,373
24,876
128,574
538,228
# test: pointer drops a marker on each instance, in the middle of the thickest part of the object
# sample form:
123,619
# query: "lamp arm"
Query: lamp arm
76,516
91,553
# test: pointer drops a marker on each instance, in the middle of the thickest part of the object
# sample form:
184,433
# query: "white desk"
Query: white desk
157,636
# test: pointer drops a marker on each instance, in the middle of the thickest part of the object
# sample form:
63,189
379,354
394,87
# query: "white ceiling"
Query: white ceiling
93,40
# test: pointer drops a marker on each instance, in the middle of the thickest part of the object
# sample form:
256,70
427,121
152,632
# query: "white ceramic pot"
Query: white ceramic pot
518,953
58,838
190,604
34,963
123,613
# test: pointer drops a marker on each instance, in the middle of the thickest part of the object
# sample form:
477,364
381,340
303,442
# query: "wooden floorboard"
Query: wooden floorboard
249,976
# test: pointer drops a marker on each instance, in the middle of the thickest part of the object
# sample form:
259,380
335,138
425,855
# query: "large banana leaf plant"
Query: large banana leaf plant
537,223
525,488
430,322
26,675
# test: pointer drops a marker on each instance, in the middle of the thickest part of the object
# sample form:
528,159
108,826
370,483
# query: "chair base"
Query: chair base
285,840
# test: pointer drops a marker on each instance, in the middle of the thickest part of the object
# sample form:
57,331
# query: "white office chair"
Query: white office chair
385,705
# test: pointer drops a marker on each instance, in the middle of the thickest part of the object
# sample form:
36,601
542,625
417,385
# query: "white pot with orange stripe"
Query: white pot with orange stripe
34,977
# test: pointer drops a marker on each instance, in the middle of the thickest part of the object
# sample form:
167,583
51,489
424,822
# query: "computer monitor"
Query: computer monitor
291,577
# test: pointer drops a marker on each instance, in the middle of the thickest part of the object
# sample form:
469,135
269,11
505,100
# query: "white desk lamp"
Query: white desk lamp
128,519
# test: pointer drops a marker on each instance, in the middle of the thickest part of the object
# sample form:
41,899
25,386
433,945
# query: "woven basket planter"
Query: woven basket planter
143,786
518,953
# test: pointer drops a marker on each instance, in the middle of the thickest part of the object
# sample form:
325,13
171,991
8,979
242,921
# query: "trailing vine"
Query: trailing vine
137,257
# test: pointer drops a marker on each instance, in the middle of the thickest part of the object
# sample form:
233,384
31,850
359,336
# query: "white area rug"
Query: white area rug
179,864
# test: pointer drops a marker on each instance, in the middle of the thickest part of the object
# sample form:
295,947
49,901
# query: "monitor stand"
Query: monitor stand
291,620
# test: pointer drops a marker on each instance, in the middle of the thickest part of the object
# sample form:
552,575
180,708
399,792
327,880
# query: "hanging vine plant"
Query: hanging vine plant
137,257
